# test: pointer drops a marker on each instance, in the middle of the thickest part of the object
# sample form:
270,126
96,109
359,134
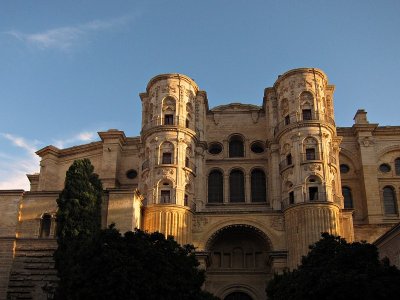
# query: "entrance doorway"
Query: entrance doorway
238,296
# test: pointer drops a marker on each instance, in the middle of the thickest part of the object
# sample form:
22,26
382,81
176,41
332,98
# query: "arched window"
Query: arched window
168,108
348,198
389,200
45,225
167,153
165,192
397,166
310,146
215,187
314,189
236,186
258,186
236,148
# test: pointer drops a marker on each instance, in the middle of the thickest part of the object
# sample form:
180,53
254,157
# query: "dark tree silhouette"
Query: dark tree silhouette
335,269
78,218
102,264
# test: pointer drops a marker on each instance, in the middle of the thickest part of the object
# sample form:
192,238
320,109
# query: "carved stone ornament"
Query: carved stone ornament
166,171
168,88
277,223
367,141
312,167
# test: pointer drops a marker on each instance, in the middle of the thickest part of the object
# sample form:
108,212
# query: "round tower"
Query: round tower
168,143
308,147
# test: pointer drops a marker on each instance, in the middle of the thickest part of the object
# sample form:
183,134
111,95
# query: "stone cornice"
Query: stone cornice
369,127
48,150
236,108
300,71
12,192
113,134
171,76
69,151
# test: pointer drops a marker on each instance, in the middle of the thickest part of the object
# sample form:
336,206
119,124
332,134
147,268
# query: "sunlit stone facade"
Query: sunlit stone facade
250,186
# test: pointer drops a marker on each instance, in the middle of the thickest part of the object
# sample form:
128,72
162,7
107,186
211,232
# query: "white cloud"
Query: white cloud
85,136
13,168
15,165
65,38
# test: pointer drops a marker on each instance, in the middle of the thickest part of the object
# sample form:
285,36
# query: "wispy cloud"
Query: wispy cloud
85,136
15,165
13,168
67,37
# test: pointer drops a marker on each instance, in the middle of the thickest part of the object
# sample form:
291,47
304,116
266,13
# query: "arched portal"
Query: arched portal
238,296
238,258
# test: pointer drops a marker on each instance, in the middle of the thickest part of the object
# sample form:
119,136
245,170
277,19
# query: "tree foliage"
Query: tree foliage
136,265
335,269
78,218
102,264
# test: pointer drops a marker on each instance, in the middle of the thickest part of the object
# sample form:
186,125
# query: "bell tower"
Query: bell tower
168,170
305,135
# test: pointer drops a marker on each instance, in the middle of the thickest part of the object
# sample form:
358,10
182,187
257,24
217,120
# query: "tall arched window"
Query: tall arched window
215,187
389,200
236,148
169,105
258,186
45,226
397,166
236,186
348,198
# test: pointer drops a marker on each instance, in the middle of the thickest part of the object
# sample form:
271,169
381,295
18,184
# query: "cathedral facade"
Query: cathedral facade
251,187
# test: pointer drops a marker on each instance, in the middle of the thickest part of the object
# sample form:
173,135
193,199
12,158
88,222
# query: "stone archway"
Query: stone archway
238,296
238,262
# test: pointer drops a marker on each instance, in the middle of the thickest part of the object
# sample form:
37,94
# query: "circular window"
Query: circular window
384,168
131,174
257,147
344,169
215,148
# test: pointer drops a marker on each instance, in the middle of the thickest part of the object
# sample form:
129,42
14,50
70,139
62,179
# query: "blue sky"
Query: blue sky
71,68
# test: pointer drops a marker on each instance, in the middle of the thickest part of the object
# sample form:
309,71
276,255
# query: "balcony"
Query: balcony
172,121
296,118
284,164
191,166
314,198
310,157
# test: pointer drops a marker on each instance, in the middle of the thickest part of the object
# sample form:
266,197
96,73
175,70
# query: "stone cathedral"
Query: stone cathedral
251,187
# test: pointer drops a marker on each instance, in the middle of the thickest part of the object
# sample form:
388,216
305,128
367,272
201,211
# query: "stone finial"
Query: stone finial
361,117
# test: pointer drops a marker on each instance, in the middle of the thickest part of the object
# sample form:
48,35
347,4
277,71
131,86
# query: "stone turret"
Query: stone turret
305,139
169,137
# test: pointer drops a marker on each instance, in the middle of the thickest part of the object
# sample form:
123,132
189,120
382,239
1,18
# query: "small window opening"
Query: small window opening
313,193
165,197
310,154
287,120
167,158
291,197
289,160
307,114
169,120
45,225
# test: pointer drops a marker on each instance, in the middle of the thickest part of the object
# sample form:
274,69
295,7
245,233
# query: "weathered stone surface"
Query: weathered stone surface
160,181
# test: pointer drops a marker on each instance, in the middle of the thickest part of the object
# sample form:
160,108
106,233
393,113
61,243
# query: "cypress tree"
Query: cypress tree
78,220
